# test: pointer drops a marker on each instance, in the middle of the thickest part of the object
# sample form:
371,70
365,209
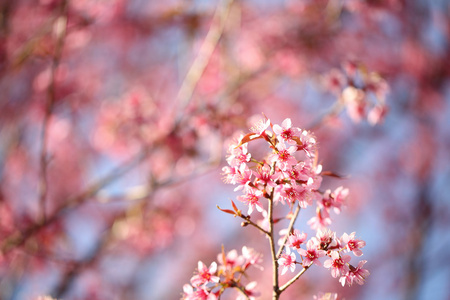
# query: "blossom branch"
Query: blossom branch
295,278
335,110
282,178
201,61
250,222
18,238
289,229
275,291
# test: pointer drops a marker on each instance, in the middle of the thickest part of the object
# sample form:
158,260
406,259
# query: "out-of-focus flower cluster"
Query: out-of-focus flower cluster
326,296
210,282
361,92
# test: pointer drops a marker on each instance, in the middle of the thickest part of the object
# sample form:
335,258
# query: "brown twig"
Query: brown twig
60,28
202,59
289,229
275,284
285,286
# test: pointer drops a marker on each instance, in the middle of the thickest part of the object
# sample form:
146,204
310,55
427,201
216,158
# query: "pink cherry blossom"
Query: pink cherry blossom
328,200
300,172
283,157
308,143
337,263
229,174
340,195
205,274
197,294
376,114
283,232
287,261
320,221
231,259
286,132
326,296
326,238
243,177
357,275
260,126
250,292
238,155
312,254
378,86
296,239
264,223
334,81
251,198
355,103
251,258
290,193
265,176
353,244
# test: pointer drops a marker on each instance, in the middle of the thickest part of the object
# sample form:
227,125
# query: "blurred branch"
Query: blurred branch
139,192
60,30
333,111
202,59
74,269
17,238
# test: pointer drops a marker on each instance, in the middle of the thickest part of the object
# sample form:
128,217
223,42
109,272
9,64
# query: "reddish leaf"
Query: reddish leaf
248,138
234,206
228,211
332,174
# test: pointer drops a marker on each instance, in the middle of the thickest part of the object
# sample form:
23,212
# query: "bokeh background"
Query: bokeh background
115,117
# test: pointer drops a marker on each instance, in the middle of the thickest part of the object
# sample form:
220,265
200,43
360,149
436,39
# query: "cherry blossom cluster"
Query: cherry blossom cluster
362,93
326,244
208,283
290,176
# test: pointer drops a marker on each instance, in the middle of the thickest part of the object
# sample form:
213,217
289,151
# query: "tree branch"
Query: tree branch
291,225
60,29
284,287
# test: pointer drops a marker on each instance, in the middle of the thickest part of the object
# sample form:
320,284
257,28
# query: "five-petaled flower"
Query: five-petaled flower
337,263
238,155
286,132
197,294
296,239
287,261
353,244
312,254
250,293
283,156
205,274
357,275
260,126
251,198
